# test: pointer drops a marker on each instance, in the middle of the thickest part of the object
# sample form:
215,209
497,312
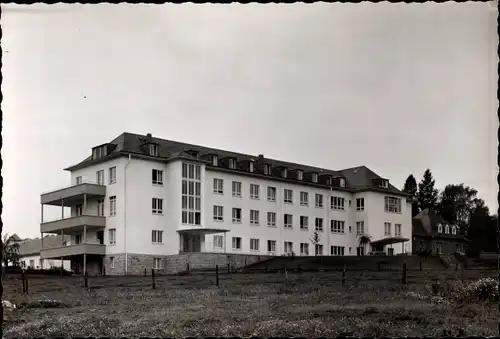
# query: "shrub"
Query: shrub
483,289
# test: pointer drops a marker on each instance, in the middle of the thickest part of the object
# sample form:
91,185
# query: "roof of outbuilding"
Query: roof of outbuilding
33,246
357,178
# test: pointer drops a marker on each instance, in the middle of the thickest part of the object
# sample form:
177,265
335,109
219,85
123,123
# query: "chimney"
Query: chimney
149,135
261,157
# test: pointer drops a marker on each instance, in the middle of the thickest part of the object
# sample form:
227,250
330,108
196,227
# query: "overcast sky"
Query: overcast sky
396,87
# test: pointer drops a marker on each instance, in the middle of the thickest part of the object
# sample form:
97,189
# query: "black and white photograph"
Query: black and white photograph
250,170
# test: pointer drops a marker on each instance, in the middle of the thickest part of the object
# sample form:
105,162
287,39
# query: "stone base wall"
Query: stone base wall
203,260
136,263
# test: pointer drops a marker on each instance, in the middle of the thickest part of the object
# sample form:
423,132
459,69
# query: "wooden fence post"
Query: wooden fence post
217,275
286,276
344,274
145,271
187,268
420,264
404,272
26,282
23,281
85,279
228,268
153,277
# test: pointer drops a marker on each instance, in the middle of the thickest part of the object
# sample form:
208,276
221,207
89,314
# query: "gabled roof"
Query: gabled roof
33,246
357,178
15,237
418,227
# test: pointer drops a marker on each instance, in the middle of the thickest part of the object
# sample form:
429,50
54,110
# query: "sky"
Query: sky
398,88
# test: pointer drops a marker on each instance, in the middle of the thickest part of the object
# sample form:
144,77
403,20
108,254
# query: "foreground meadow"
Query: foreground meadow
309,304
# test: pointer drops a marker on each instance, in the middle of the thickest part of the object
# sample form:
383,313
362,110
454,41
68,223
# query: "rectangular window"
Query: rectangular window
232,163
271,194
79,180
254,244
284,173
288,196
78,239
254,191
191,194
218,213
337,226
337,203
156,237
304,222
153,150
318,249
112,262
251,166
315,177
112,236
157,263
218,186
288,221
237,215
112,205
79,209
112,175
218,241
387,228
271,219
236,243
267,169
288,247
236,189
157,177
304,199
271,245
360,227
215,160
157,206
100,177
304,248
319,224
254,217
392,205
360,204
337,250
319,200
397,230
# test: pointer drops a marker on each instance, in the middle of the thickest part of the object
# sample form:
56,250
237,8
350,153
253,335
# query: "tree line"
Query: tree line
458,204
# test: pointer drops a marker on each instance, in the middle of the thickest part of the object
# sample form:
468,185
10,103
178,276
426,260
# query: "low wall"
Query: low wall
198,261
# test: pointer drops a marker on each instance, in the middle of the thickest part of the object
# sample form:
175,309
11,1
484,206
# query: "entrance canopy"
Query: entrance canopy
202,231
389,241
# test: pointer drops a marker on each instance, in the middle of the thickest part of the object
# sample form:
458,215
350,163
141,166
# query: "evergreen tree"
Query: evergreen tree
412,189
427,195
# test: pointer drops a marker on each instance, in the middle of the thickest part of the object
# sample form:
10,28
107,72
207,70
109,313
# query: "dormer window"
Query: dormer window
315,177
284,172
342,182
251,166
232,163
300,175
215,160
453,230
267,169
447,229
99,152
153,150
440,228
384,183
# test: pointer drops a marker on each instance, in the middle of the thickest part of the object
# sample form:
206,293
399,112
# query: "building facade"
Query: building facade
29,252
437,236
138,199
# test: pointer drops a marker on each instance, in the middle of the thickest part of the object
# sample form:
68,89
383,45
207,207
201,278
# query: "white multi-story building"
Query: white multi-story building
138,199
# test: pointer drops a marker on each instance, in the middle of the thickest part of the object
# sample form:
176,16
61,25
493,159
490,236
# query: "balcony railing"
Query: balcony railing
73,193
73,224
68,251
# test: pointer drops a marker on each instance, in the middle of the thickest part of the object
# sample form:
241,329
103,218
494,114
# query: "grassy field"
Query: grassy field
310,304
